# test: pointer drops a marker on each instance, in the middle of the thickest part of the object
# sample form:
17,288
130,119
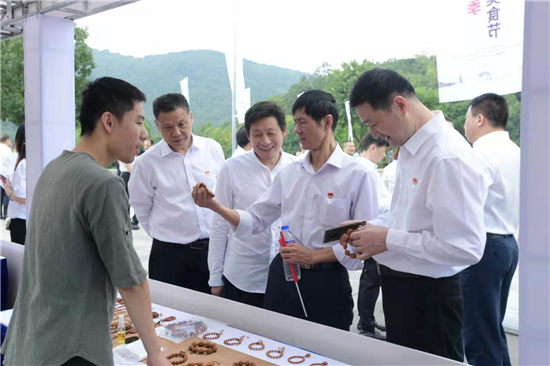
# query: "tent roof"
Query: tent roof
12,13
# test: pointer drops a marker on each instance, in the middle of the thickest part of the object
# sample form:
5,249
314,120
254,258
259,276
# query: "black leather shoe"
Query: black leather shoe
376,335
382,328
135,227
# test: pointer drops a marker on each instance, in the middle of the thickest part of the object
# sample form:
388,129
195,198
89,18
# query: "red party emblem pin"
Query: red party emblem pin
207,173
415,181
331,195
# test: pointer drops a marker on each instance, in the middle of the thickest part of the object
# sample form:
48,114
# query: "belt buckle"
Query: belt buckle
305,266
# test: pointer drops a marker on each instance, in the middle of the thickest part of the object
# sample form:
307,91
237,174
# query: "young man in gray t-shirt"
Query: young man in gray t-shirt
79,244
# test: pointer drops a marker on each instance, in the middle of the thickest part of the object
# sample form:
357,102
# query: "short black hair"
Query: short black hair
106,94
242,139
169,102
369,140
4,138
377,87
493,106
263,110
317,104
448,119
152,141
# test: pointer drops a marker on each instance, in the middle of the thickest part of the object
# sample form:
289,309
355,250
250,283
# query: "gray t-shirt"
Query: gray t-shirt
77,252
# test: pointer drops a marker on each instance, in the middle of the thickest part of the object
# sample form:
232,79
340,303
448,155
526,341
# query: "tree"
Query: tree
12,75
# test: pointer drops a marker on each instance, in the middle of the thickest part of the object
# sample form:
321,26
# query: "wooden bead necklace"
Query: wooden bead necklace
257,346
181,355
324,363
280,351
244,363
203,348
212,335
300,359
345,244
233,341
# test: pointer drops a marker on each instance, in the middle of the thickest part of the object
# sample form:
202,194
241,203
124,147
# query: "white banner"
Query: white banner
350,128
482,49
185,89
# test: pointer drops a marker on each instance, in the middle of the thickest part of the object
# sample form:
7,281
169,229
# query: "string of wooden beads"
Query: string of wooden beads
203,347
280,351
257,346
345,244
324,363
233,341
181,355
244,363
212,335
300,359
209,363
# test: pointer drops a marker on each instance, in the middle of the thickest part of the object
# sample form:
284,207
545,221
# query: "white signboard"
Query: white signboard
481,48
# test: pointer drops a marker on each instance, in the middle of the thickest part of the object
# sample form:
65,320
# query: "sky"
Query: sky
296,34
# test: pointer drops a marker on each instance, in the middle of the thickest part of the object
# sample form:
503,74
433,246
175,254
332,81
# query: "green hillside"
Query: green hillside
209,90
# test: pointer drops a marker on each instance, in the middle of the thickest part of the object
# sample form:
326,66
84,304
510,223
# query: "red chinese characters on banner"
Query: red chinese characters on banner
474,7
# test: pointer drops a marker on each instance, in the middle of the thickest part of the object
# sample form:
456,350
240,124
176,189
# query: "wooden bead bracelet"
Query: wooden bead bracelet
300,359
256,346
233,341
280,351
203,348
181,354
209,363
244,363
345,244
212,335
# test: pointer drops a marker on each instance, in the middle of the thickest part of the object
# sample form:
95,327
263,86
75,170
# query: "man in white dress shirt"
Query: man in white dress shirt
160,193
373,152
242,142
238,268
434,228
486,285
5,151
310,195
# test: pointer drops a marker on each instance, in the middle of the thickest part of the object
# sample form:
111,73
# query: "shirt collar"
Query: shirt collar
335,159
368,163
165,149
417,140
492,137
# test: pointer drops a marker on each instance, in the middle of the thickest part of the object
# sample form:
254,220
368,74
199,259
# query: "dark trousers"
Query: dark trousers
485,287
231,292
369,289
126,178
326,293
18,231
78,361
4,202
184,265
424,313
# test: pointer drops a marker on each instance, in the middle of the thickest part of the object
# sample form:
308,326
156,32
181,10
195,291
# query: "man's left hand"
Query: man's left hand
369,241
296,254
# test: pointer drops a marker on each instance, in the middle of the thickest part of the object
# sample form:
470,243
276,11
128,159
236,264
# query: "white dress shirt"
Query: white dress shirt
245,263
18,210
436,215
503,161
238,151
311,202
384,197
388,176
160,190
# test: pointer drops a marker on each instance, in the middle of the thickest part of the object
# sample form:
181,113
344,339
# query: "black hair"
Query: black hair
20,144
263,110
369,140
448,119
317,104
106,95
493,106
377,87
4,138
242,139
168,103
152,141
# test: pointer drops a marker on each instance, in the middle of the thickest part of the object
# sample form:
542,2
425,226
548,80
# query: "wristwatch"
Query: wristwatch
9,196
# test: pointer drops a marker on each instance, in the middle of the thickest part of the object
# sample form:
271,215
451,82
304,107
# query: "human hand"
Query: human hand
157,359
217,291
296,254
369,241
203,196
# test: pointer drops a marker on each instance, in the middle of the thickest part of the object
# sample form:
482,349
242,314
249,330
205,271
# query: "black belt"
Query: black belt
321,266
388,272
199,244
498,236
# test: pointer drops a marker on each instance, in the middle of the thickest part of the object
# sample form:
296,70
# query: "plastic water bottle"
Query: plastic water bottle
289,239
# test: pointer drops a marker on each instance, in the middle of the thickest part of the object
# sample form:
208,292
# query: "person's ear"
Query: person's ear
329,120
107,121
401,103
